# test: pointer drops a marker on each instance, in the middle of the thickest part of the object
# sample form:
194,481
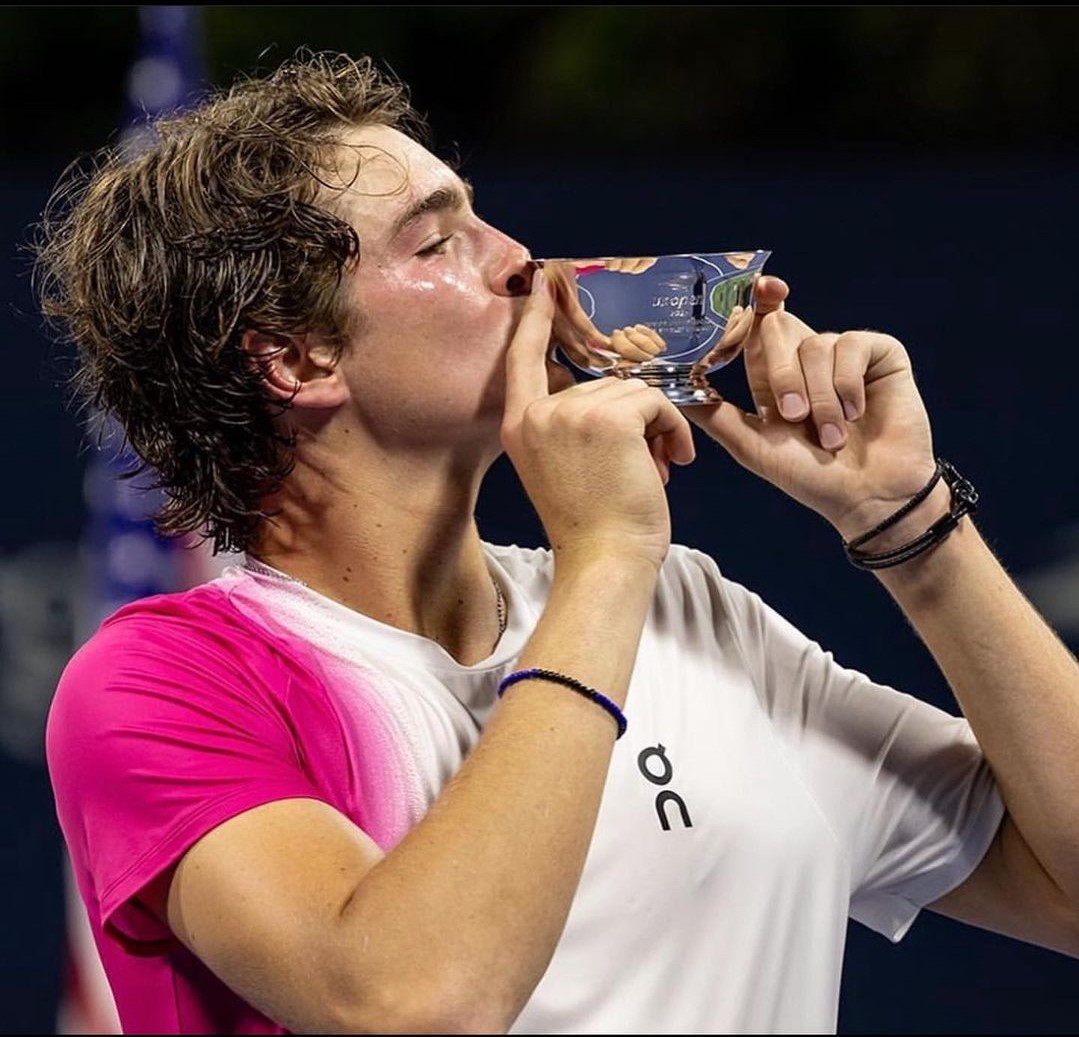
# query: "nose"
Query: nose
512,267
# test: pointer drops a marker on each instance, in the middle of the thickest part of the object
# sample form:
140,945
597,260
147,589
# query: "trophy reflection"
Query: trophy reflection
669,320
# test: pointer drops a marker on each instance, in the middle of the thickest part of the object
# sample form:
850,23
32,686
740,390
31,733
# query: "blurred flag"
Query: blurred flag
122,558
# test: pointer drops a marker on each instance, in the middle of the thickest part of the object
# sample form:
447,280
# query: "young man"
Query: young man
295,798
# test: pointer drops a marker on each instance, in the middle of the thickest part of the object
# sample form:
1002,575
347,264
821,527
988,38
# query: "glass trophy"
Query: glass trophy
669,320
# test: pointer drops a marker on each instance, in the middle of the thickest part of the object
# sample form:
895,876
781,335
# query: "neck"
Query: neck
401,547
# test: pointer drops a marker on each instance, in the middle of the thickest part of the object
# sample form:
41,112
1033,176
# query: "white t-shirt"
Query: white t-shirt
761,796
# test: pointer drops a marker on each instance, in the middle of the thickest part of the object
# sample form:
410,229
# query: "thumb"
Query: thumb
769,294
738,432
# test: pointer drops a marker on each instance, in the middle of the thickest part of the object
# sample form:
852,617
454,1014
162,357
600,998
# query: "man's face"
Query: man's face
437,292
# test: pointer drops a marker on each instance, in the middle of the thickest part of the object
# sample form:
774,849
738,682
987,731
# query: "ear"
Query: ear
296,367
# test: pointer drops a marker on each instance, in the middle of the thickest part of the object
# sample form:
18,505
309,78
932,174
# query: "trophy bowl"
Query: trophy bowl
669,320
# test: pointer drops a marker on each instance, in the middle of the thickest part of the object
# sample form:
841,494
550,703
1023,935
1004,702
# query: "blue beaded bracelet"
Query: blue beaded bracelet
569,682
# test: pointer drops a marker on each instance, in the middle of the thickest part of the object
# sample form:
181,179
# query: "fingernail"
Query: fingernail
791,405
850,410
830,436
538,281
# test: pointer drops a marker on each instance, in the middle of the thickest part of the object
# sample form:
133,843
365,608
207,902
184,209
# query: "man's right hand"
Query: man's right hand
593,458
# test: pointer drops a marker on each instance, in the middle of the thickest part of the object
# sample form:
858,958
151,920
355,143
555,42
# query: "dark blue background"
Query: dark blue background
970,262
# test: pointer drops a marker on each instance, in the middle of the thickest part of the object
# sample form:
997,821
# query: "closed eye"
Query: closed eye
437,249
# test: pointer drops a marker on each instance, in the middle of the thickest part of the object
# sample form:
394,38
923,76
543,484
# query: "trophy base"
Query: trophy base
683,384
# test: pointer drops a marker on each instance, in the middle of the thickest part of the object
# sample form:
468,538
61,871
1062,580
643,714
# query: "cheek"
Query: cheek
430,343
443,309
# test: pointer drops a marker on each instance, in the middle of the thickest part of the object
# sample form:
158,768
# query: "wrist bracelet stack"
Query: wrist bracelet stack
964,501
598,698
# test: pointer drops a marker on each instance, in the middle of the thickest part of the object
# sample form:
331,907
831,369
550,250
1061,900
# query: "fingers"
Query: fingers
615,264
820,378
653,340
837,369
816,354
526,358
658,417
736,431
777,349
630,264
638,342
628,407
576,332
664,421
769,299
801,378
667,432
852,360
663,425
573,328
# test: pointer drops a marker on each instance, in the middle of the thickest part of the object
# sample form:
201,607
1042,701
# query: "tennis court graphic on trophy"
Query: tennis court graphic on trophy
669,320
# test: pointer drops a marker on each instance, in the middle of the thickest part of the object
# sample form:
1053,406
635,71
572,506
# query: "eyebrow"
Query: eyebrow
442,199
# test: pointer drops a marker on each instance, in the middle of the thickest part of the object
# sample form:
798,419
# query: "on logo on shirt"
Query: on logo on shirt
658,755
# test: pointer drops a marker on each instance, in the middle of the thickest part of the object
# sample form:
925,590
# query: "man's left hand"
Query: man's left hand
839,424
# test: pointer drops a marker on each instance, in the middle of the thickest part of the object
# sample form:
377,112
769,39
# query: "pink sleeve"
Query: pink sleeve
164,726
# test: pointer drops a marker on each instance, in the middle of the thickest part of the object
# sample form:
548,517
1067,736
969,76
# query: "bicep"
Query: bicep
1010,893
259,899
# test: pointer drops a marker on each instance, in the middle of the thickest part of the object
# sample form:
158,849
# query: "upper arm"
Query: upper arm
903,783
189,803
906,786
259,899
1010,893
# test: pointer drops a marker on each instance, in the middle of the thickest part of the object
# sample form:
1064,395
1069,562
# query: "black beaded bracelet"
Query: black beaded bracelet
964,501
570,682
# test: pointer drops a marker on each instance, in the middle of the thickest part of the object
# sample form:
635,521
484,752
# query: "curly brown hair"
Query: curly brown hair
155,261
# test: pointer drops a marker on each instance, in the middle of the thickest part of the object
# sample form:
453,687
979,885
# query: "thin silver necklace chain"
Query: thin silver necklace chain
254,565
500,606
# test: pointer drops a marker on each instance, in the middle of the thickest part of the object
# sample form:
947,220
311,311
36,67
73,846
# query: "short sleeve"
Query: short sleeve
903,783
161,729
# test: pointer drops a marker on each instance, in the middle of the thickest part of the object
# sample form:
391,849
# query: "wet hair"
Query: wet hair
155,260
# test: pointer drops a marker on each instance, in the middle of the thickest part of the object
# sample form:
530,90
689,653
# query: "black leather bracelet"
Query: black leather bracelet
906,509
964,501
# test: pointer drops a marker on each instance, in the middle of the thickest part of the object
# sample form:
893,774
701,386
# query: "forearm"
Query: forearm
1015,681
474,900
